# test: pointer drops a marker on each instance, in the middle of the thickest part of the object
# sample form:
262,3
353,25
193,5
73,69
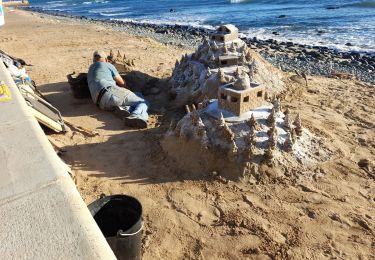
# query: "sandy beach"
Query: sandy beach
326,212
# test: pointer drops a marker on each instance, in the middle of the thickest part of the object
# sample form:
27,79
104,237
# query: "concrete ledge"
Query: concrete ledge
42,215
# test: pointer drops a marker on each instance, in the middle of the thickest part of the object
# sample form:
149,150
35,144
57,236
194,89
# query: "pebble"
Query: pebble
364,163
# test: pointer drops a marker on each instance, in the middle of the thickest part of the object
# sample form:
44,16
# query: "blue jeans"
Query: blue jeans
122,97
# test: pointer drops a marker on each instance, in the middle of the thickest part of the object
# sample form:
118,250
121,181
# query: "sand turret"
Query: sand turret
227,133
288,144
249,152
271,119
276,104
221,121
268,154
233,150
252,123
225,49
224,129
298,125
250,137
287,121
119,56
293,135
272,140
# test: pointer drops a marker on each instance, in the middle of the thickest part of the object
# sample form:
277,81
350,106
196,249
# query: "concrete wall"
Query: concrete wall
42,215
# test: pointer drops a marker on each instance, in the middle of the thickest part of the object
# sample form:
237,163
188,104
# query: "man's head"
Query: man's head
99,56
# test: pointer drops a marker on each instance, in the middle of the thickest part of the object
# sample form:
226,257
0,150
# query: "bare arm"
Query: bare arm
119,81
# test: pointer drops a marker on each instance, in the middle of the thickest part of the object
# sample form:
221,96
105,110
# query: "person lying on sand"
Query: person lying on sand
108,91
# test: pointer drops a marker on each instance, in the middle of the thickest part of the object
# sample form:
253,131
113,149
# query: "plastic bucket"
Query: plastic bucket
119,217
79,85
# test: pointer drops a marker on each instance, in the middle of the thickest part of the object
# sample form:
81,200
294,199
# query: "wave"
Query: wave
114,14
239,1
95,2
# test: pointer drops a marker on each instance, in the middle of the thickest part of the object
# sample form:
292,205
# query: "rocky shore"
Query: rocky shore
288,56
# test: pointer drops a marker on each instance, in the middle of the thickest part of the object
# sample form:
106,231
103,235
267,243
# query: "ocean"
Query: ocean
344,25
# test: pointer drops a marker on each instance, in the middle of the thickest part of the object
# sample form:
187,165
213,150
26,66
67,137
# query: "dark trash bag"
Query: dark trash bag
79,85
119,217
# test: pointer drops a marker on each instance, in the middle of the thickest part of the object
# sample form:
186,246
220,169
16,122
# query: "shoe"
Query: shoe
133,121
121,112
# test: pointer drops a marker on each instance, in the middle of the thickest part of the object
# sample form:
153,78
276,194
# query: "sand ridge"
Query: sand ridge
327,212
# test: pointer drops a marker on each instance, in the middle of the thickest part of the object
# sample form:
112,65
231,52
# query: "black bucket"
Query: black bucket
119,217
79,85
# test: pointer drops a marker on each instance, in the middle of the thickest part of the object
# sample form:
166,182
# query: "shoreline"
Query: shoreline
287,56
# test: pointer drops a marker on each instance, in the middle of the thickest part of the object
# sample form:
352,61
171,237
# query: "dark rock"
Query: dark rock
355,55
302,58
364,163
346,56
344,62
314,54
355,62
332,7
348,44
289,43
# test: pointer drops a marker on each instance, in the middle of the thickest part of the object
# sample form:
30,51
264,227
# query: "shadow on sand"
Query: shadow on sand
134,156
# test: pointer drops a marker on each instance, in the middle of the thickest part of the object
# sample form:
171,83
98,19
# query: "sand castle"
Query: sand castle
225,33
235,123
120,61
240,100
222,59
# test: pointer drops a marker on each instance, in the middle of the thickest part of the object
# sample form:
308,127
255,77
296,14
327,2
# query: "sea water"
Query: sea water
331,23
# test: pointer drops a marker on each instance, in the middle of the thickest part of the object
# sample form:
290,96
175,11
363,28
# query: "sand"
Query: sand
327,212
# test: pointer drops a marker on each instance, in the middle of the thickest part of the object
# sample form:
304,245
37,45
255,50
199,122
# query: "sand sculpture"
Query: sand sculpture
241,97
222,72
222,59
120,61
264,138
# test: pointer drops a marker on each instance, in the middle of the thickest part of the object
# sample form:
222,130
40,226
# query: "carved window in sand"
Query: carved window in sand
260,94
233,99
246,99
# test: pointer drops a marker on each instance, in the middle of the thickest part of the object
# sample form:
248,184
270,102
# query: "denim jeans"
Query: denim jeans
122,97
